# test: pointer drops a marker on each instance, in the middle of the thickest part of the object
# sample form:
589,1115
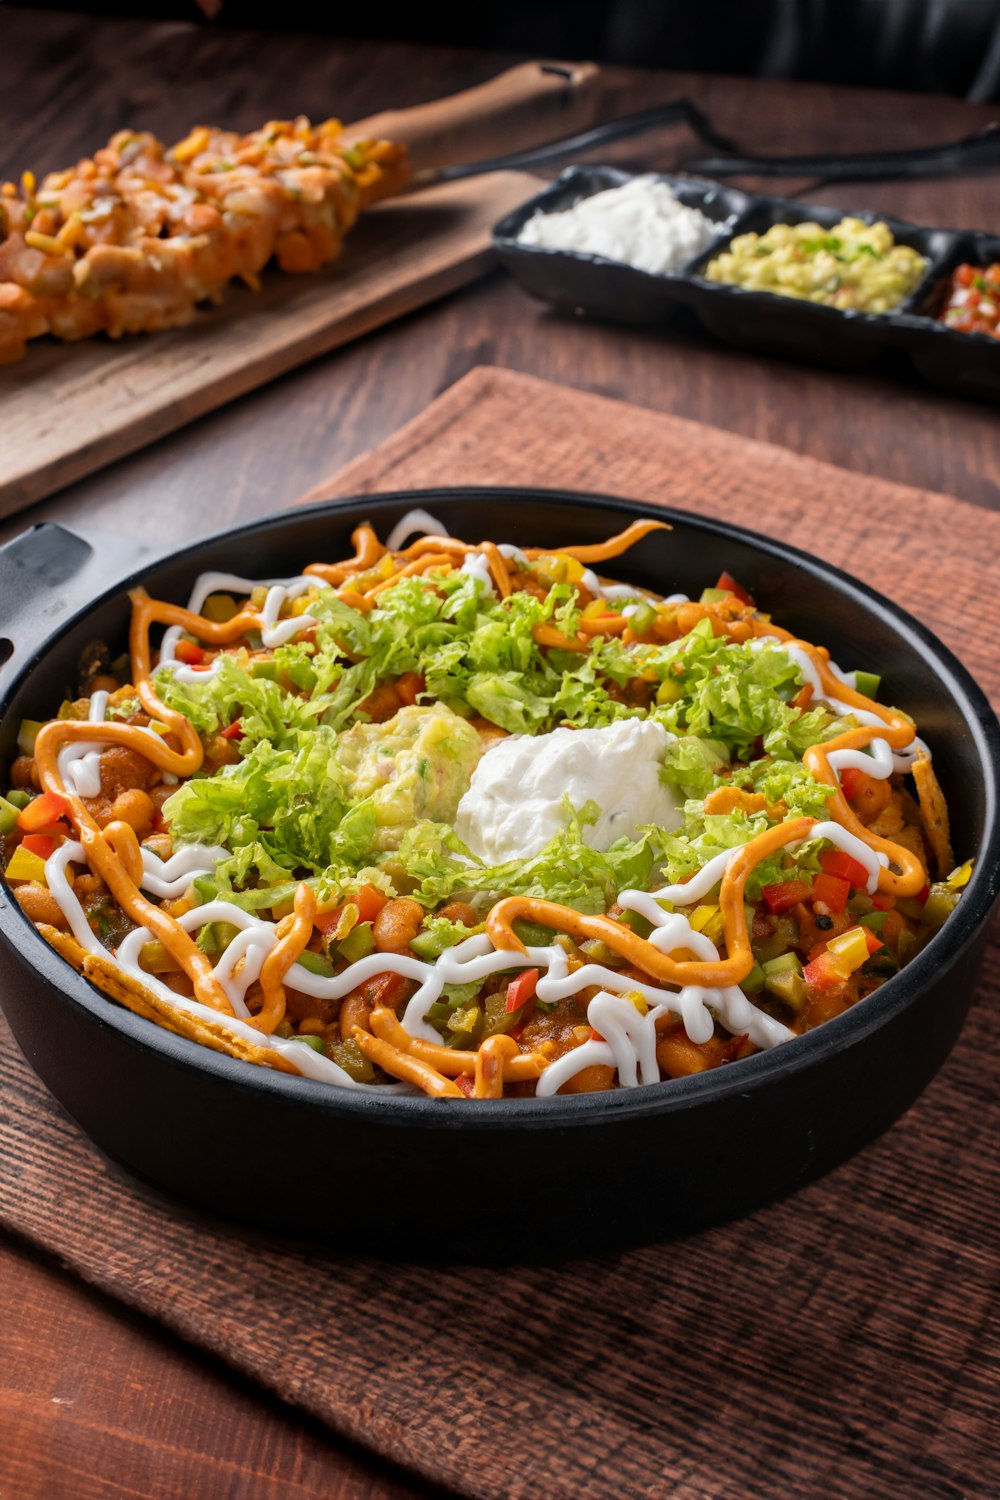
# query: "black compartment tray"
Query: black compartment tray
578,281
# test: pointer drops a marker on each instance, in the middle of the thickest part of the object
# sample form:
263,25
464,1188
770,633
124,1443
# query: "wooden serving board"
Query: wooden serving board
66,410
837,1344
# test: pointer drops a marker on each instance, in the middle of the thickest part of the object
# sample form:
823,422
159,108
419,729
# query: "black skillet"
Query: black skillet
515,1178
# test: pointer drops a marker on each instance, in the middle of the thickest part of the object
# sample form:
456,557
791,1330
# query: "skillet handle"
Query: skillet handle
46,574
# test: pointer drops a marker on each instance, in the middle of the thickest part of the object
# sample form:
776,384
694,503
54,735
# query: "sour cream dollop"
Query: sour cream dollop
517,799
642,223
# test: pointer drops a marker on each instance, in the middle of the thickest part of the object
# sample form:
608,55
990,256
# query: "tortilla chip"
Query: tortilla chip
65,945
114,982
934,814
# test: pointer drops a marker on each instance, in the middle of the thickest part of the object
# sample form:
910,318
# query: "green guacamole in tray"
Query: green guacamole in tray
850,265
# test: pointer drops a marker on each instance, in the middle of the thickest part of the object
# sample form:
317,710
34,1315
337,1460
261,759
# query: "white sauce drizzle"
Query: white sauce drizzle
628,1037
414,521
475,565
79,762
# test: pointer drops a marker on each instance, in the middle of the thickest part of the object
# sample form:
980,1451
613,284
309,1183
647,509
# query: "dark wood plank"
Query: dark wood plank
96,1401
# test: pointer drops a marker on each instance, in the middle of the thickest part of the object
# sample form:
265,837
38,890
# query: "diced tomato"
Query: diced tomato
595,1036
385,989
831,891
233,731
41,811
728,582
467,1083
923,894
850,781
785,894
874,943
408,686
522,989
189,652
369,901
821,973
883,903
42,844
845,867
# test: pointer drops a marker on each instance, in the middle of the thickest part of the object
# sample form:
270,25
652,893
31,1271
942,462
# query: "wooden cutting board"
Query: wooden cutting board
68,410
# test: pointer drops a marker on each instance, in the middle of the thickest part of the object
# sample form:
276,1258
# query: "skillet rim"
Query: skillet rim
841,1033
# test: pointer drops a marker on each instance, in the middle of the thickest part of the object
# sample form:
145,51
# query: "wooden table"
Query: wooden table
96,1403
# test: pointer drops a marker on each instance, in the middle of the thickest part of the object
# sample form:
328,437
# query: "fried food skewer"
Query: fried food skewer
133,239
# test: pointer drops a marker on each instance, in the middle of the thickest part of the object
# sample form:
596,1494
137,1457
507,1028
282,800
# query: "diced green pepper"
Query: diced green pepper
868,683
754,981
875,920
205,888
939,906
498,1019
27,734
714,596
430,945
8,816
349,1056
638,924
465,1026
315,1042
215,937
315,963
533,934
788,987
358,943
642,619
787,963
669,691
19,798
265,667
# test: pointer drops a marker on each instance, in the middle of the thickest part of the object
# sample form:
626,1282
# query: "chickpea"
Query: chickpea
135,808
219,752
459,911
355,1011
24,773
39,905
397,924
160,794
103,683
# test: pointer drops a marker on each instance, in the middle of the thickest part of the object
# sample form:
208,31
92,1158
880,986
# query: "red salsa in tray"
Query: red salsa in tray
973,300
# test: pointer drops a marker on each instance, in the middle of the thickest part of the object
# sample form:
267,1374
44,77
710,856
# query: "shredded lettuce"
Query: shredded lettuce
738,694
566,870
293,807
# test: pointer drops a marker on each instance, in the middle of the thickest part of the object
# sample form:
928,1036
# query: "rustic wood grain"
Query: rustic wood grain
841,1343
69,411
69,1431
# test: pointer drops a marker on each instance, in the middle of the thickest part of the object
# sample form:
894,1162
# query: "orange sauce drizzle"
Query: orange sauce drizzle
895,729
636,950
515,1066
115,855
293,933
